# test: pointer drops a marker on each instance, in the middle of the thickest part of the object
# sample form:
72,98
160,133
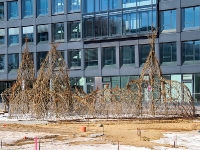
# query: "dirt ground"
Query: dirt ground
124,131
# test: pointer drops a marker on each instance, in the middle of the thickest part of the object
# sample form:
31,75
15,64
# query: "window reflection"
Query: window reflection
101,5
190,17
13,36
12,10
109,57
168,21
88,26
129,3
74,5
13,62
127,55
167,53
114,4
91,58
28,32
1,11
88,6
191,51
74,31
58,32
115,23
129,22
57,6
144,52
101,25
2,63
40,58
2,37
74,58
42,33
27,8
42,7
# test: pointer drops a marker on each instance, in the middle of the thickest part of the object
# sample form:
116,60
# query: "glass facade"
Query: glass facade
57,7
121,18
190,17
27,8
2,63
13,36
127,55
28,32
13,62
144,52
13,10
2,37
74,5
74,31
58,32
168,21
167,53
42,7
40,58
42,34
91,58
191,51
109,57
74,59
1,10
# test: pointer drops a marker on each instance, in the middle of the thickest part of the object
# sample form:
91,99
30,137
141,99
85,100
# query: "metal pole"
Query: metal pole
118,144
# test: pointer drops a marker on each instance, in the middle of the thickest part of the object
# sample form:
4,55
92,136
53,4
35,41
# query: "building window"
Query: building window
42,34
145,20
1,11
190,17
127,55
2,37
101,25
129,22
74,31
91,58
13,62
74,59
27,32
115,4
2,63
58,32
88,26
40,58
191,51
109,57
74,5
168,21
27,8
88,6
144,52
144,2
13,36
167,53
57,7
115,23
101,5
12,10
129,3
42,7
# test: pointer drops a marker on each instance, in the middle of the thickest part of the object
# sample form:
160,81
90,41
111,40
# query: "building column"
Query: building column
34,9
34,35
20,9
137,60
66,58
100,56
6,64
20,36
65,32
82,60
178,20
117,58
178,53
49,8
157,51
35,62
5,10
50,32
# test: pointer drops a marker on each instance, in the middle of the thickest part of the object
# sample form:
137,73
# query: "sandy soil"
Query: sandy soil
124,131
